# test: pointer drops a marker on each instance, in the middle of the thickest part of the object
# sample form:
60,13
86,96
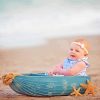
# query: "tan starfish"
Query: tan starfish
90,88
76,92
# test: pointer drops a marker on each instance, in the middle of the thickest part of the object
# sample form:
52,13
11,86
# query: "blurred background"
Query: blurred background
31,22
36,33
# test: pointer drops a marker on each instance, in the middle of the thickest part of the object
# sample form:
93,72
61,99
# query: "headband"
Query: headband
81,45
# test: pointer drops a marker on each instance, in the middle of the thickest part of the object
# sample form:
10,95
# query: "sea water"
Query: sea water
32,22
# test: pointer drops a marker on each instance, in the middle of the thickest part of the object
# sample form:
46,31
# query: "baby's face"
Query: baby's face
76,52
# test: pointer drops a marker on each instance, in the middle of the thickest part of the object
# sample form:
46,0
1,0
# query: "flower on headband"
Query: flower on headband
81,45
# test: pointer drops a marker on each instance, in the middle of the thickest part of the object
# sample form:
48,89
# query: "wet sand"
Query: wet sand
41,59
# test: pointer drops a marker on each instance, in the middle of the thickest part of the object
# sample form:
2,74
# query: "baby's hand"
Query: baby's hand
56,70
53,72
50,73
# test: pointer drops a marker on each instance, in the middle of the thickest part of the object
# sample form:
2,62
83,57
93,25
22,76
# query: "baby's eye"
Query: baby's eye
77,50
71,49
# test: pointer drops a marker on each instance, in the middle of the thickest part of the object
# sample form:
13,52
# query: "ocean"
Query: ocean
32,22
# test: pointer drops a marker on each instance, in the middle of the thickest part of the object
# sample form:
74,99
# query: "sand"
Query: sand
41,59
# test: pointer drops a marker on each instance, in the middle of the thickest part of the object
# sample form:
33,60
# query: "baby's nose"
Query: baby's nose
73,51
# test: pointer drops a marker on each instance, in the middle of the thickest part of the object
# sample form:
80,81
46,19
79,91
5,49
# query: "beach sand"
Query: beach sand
41,59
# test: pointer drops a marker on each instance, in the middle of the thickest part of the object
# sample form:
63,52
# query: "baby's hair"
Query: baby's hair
85,43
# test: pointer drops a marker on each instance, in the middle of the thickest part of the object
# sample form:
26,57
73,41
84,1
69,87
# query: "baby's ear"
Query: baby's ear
85,55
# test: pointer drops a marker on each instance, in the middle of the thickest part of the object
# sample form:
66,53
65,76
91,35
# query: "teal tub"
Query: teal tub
41,84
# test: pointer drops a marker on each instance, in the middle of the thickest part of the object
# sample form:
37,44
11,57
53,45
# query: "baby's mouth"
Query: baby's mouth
72,56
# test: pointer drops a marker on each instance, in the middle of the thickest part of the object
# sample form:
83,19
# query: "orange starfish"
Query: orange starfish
90,88
8,78
76,92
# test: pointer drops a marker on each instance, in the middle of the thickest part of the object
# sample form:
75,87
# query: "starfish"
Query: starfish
8,78
76,92
90,88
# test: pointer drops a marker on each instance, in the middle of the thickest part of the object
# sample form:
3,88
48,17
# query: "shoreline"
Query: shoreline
43,42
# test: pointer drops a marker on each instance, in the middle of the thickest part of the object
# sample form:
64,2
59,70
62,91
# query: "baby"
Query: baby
76,62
